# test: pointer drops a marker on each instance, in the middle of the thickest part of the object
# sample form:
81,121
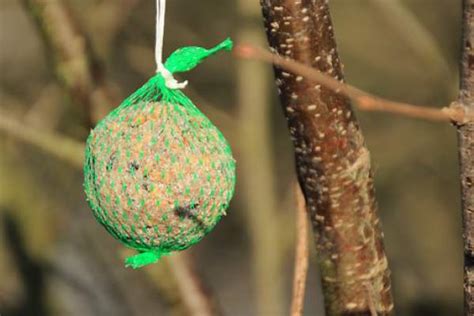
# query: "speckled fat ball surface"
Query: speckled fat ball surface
158,176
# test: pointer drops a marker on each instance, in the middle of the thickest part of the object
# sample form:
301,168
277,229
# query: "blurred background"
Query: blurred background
56,260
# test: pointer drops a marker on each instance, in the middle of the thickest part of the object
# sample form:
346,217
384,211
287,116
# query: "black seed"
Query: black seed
190,212
186,211
133,166
110,162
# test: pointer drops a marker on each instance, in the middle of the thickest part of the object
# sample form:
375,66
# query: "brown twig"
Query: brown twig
466,155
302,254
61,147
192,290
364,100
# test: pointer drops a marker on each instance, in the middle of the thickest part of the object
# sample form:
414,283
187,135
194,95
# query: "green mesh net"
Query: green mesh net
158,174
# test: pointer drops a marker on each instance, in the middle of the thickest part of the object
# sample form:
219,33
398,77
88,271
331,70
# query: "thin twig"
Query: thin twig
61,147
192,290
302,254
364,100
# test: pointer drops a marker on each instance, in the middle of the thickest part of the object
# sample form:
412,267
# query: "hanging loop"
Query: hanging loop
170,81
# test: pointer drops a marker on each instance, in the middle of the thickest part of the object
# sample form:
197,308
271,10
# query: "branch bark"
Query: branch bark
302,254
466,155
194,293
332,162
364,100
63,148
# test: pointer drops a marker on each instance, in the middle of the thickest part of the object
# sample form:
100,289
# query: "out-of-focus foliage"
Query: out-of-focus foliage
404,50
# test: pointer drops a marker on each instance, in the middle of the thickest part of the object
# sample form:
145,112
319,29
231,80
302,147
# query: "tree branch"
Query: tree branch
466,155
192,290
61,147
364,100
302,254
333,164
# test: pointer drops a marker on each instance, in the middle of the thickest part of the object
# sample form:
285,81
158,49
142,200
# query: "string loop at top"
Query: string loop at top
170,81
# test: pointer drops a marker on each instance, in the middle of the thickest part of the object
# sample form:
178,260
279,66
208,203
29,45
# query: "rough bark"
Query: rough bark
466,155
332,162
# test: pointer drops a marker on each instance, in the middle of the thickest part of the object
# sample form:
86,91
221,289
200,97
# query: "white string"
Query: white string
160,31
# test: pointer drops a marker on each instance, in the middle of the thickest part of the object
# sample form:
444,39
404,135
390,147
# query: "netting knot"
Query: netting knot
170,81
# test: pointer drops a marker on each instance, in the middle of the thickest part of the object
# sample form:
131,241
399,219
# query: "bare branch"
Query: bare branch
61,147
364,100
302,254
332,162
191,288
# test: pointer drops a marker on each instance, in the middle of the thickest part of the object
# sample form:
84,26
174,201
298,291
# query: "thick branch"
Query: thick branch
466,155
333,164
